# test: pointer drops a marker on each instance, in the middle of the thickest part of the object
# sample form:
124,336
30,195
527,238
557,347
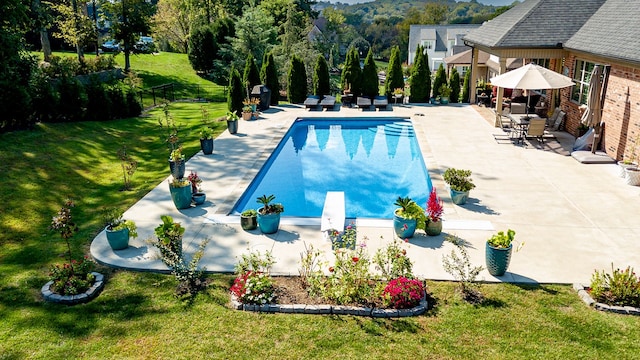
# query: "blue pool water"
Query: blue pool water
372,160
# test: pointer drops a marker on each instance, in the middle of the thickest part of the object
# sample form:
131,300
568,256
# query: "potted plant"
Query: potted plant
407,217
206,140
445,92
433,226
196,193
249,219
269,214
498,252
247,113
177,163
460,183
180,189
118,230
232,122
169,235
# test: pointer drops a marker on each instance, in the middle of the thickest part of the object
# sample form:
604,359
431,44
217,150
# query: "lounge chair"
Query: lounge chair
312,101
555,121
328,102
380,102
364,102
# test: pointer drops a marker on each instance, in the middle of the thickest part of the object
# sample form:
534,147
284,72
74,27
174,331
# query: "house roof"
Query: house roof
535,24
611,32
464,58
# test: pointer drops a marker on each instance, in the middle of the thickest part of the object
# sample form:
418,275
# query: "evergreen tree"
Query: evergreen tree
236,92
465,87
454,83
251,76
351,73
370,76
395,79
420,82
269,77
297,81
441,79
202,49
321,85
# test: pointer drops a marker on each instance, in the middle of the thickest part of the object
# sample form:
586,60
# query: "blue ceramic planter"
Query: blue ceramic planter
497,259
207,146
268,223
179,172
404,228
118,239
181,196
459,197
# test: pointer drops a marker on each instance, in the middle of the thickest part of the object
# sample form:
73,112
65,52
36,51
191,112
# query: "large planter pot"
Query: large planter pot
118,239
632,176
268,223
459,197
206,145
199,198
624,166
179,172
444,100
433,228
497,259
232,126
247,115
181,196
404,228
248,222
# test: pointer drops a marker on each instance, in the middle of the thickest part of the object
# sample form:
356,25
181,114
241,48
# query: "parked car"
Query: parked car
110,46
144,45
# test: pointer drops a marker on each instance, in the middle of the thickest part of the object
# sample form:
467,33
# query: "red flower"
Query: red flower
406,240
355,259
434,206
331,269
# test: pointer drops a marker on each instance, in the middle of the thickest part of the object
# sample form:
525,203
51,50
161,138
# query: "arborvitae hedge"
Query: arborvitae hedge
441,79
297,81
351,73
269,76
236,93
370,76
395,78
454,84
420,82
251,76
321,85
465,87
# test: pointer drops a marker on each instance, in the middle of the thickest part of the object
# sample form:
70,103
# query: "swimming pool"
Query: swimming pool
372,160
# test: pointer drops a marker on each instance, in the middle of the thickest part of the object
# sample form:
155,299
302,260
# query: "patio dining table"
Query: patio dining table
521,124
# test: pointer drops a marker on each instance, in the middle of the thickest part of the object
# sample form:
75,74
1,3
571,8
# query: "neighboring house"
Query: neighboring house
570,37
439,41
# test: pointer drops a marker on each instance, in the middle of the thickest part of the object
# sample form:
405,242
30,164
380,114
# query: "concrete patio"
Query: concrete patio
573,218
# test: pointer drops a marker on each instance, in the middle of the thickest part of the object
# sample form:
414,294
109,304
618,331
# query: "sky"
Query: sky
486,2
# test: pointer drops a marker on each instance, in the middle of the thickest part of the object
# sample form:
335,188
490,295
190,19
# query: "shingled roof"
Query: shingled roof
612,32
535,24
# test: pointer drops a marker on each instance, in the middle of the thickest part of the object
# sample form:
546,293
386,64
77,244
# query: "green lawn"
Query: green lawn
137,317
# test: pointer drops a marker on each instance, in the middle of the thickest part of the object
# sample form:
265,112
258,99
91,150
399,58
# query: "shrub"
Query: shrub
395,77
403,293
420,82
465,87
73,99
321,84
72,278
236,93
351,73
269,76
202,48
454,85
393,261
251,76
462,270
253,288
297,81
439,81
370,76
621,287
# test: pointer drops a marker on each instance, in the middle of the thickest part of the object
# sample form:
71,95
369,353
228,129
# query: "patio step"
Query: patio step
396,129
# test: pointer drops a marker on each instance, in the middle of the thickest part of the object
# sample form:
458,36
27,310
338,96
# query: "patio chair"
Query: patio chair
328,102
380,102
311,102
536,129
555,121
364,102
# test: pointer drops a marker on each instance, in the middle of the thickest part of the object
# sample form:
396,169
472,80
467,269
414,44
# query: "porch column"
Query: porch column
503,69
474,75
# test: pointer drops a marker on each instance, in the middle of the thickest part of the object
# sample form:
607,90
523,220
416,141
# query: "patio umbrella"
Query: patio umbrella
531,77
592,115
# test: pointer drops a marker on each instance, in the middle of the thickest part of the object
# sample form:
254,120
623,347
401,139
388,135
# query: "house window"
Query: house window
542,62
427,44
582,77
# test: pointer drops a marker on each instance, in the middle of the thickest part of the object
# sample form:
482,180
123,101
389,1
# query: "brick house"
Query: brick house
570,37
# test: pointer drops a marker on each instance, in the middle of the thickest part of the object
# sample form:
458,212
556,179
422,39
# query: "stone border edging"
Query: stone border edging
84,297
584,295
332,309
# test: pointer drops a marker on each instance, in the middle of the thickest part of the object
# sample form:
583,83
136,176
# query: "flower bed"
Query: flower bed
583,292
90,293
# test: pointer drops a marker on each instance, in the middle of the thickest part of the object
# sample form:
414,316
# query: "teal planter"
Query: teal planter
444,100
181,196
459,197
497,259
269,223
207,146
118,239
199,198
179,172
232,126
404,228
433,228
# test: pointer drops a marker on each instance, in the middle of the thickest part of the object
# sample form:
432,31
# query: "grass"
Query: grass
137,317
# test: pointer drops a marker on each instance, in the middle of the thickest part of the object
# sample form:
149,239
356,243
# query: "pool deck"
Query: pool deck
573,218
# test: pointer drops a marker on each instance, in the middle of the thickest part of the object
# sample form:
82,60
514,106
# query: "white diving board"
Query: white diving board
333,215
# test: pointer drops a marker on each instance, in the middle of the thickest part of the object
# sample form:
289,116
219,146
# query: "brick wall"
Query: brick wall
620,112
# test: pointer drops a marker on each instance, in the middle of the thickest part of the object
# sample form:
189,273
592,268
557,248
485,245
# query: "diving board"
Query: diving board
333,213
